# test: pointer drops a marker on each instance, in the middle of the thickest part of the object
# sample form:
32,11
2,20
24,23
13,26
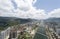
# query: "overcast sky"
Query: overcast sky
35,9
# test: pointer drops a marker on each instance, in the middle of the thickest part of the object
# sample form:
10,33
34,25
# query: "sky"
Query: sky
34,9
48,5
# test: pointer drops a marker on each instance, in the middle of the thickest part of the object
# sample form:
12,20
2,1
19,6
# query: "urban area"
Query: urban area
41,29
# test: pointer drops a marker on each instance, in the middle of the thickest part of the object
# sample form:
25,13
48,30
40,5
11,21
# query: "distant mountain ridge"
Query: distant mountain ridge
53,20
5,20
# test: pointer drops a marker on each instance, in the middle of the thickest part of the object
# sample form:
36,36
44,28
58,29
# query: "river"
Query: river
40,34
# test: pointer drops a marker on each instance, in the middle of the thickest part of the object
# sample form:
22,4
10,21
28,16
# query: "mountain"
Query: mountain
52,20
7,21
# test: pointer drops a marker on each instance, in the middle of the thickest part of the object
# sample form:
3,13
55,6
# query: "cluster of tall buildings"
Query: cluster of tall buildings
12,32
9,33
55,29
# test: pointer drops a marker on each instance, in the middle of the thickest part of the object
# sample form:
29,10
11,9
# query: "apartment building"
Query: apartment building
5,33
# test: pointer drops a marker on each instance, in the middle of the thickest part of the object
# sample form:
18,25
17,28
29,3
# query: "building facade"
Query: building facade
5,33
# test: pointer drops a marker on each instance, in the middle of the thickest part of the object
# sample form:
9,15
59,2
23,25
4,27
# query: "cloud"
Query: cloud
5,5
14,4
55,13
21,9
32,13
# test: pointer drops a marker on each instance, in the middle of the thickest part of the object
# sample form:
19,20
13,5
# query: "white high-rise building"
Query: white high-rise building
5,33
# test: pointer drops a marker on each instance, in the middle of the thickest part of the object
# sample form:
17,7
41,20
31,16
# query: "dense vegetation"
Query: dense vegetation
11,21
